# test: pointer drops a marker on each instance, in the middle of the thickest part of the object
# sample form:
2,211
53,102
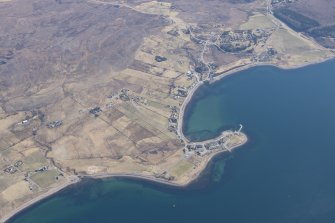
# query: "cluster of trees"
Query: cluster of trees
301,23
296,20
327,31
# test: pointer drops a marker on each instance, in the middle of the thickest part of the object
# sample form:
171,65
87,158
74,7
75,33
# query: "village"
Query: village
227,141
232,41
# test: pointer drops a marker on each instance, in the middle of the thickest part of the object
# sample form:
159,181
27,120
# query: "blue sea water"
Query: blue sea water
285,173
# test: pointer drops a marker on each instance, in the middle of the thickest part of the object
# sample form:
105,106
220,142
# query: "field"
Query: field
26,179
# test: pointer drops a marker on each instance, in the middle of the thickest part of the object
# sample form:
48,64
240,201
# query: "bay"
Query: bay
285,173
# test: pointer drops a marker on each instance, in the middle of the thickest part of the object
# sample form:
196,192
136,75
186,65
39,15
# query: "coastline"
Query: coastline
154,179
76,179
79,178
226,73
39,198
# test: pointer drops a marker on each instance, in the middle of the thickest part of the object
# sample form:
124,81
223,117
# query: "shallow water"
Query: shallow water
285,173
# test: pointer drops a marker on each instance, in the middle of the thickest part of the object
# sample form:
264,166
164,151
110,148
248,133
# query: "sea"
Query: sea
285,173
